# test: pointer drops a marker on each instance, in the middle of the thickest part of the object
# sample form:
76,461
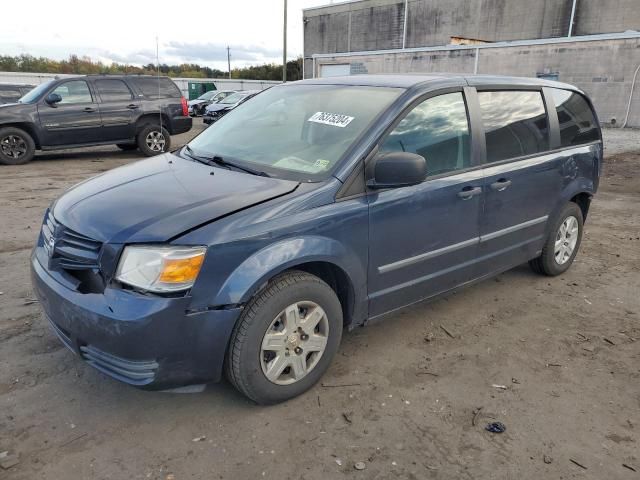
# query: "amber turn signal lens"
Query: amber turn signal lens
181,270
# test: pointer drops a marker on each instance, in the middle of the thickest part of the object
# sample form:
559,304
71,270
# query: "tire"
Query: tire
127,146
145,140
248,362
16,146
555,259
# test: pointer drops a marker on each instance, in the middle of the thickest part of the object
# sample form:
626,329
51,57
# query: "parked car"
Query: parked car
197,106
215,111
129,111
319,205
11,93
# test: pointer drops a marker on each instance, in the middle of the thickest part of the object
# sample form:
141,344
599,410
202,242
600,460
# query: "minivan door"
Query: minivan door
117,107
522,181
423,239
74,120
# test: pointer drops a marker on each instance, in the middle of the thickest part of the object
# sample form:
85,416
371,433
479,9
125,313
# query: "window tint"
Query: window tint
156,87
438,130
76,91
577,122
515,124
113,90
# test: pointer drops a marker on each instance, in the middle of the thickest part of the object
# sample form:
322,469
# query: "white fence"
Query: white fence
183,83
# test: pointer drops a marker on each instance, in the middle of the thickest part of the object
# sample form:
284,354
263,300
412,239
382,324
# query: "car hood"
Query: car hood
216,107
9,108
157,199
191,103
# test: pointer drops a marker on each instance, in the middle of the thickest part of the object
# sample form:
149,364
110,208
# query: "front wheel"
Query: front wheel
16,146
561,247
285,339
153,140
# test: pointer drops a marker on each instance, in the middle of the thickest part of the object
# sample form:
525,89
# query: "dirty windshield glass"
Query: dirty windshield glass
235,98
302,129
207,95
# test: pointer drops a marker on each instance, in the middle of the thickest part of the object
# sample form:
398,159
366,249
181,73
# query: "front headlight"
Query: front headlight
160,269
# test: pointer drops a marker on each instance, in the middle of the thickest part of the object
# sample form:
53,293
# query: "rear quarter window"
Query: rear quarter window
152,87
113,90
577,121
515,124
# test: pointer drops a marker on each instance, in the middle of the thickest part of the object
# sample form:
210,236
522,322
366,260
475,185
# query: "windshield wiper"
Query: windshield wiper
218,160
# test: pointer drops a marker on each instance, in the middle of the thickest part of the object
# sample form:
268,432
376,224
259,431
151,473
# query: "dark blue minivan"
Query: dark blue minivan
316,206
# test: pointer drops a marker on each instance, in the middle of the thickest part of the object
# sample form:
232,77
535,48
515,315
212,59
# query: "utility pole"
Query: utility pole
229,61
284,46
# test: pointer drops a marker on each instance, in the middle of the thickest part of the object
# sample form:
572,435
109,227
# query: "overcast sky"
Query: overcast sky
125,30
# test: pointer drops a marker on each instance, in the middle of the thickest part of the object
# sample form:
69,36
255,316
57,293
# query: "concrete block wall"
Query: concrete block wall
604,68
434,22
379,24
603,16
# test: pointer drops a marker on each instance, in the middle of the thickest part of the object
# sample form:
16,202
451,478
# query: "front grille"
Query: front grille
134,372
67,249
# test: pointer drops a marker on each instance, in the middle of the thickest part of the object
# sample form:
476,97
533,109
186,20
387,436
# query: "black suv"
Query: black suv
130,111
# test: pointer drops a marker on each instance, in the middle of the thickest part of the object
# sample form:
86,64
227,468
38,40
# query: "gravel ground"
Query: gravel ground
555,359
618,140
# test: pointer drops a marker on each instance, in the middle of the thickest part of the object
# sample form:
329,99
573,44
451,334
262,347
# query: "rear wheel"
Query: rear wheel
285,339
16,146
153,140
563,242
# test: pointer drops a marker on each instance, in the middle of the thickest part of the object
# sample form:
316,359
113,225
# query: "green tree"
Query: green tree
85,65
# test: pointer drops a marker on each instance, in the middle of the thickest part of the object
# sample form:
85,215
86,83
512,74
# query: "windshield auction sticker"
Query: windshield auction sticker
333,119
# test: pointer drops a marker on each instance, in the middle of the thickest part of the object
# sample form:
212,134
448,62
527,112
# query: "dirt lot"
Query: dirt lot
409,396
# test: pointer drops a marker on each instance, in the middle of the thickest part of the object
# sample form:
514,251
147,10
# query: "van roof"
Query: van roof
409,80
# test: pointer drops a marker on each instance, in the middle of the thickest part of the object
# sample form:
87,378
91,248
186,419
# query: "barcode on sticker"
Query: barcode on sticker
334,119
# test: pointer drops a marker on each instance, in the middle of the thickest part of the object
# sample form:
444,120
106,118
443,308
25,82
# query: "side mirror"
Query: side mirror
53,98
398,169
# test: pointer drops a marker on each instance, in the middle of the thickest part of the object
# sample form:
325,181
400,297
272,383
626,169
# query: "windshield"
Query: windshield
234,98
34,94
303,129
207,95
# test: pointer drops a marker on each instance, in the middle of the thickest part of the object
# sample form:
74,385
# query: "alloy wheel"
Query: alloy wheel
155,141
13,146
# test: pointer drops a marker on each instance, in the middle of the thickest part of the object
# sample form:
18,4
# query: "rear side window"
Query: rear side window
515,124
577,122
438,130
156,87
113,90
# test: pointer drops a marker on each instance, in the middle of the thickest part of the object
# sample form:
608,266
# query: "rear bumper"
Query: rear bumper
146,341
181,125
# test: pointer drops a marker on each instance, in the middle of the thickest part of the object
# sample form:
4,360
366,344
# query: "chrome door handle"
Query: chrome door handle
469,192
501,184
